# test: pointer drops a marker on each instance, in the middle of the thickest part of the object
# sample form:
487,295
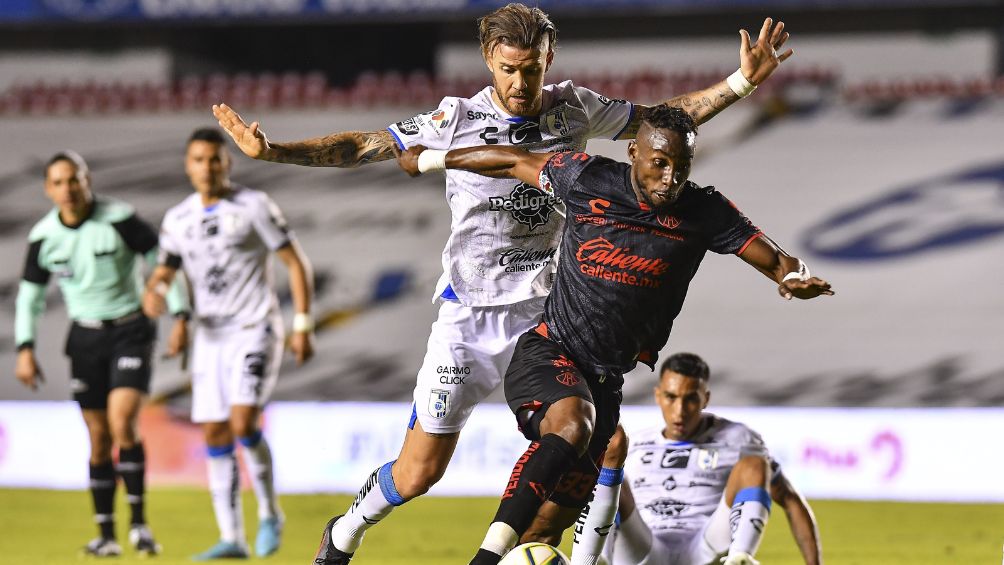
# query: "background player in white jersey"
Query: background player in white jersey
91,244
497,262
699,486
223,236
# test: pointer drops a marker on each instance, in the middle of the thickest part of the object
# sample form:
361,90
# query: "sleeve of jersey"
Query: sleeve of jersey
137,234
608,117
561,173
731,230
30,302
433,129
271,225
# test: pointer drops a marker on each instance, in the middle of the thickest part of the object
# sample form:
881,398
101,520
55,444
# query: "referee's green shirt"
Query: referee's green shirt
94,262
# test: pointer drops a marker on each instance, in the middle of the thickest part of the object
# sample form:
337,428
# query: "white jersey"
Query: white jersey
678,485
505,233
226,252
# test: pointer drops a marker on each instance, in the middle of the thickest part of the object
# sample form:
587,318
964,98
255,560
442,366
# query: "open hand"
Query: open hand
758,60
249,138
804,290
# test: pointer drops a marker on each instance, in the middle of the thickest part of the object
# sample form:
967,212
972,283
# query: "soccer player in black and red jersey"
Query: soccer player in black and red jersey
635,238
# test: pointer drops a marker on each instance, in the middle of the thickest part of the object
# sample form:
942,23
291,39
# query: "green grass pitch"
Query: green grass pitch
40,527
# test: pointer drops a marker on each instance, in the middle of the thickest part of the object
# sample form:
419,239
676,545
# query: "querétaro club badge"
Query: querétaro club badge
528,205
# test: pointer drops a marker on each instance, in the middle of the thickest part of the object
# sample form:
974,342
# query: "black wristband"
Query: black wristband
26,345
183,315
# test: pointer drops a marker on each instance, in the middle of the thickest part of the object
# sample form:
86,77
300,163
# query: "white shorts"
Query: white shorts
697,548
468,353
234,366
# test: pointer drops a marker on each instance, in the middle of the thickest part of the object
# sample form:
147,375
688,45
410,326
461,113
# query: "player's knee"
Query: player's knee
617,450
243,427
123,433
573,419
751,470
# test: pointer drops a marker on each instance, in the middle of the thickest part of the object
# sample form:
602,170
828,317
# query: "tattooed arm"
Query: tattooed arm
343,149
757,61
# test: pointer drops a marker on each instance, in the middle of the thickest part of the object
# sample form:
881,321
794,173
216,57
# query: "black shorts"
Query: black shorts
540,374
110,356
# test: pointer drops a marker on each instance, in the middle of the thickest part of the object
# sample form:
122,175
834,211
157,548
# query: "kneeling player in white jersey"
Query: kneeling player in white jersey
223,236
696,488
497,263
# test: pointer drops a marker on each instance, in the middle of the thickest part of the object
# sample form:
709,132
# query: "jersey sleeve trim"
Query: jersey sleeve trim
627,123
400,144
136,234
748,242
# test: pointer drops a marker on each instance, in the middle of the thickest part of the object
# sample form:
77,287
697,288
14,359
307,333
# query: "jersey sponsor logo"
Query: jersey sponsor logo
129,363
528,205
525,132
675,459
440,119
667,506
478,116
453,375
489,135
519,260
608,101
216,280
439,403
407,127
599,205
599,258
669,483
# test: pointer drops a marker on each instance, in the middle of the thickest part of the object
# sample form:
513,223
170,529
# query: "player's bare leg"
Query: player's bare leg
421,464
258,461
124,405
102,483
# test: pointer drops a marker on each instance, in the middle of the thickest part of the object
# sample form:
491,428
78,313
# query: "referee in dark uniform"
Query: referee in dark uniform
90,245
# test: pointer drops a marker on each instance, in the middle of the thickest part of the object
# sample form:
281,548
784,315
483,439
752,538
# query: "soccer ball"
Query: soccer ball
534,554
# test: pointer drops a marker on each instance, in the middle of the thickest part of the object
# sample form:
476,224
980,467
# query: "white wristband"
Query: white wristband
801,274
431,160
303,323
738,83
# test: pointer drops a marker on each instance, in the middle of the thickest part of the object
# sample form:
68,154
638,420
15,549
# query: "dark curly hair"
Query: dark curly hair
669,117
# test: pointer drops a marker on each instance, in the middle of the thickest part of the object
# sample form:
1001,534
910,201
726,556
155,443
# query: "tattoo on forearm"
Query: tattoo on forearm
344,149
705,104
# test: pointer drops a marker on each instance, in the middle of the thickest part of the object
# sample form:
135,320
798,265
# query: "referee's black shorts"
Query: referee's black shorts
540,374
109,355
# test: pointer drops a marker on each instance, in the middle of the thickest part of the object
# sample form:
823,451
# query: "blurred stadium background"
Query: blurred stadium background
875,153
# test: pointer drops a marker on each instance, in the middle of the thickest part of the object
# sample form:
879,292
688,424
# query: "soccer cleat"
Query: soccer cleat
327,553
269,535
223,550
739,558
102,547
141,539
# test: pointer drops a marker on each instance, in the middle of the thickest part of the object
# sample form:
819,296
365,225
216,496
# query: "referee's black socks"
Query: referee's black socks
103,494
132,469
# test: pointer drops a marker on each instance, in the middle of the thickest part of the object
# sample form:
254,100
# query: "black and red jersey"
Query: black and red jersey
624,268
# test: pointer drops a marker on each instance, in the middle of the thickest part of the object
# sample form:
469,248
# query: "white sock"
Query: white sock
748,519
258,459
225,489
373,503
597,518
500,538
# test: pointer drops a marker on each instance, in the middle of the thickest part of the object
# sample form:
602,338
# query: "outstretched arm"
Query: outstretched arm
490,161
801,521
757,62
788,272
343,149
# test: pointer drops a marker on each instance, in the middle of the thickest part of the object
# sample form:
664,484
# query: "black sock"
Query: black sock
533,479
103,494
132,469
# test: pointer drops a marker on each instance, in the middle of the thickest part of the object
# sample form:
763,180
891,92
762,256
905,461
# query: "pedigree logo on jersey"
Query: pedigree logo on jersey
528,205
599,258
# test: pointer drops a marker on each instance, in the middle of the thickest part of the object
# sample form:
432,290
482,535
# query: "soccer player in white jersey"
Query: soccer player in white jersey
224,236
698,486
497,262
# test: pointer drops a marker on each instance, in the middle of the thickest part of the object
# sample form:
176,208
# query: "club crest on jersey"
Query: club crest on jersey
439,403
668,222
556,123
528,205
707,459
